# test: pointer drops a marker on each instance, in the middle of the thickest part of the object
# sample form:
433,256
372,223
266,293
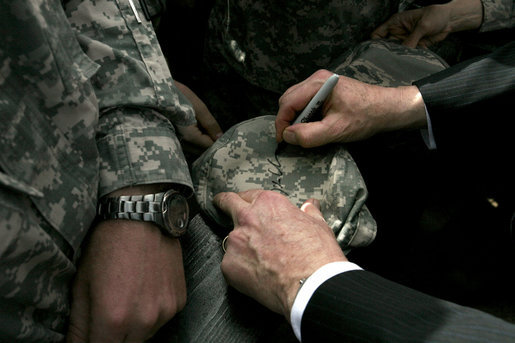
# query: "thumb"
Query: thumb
308,135
415,36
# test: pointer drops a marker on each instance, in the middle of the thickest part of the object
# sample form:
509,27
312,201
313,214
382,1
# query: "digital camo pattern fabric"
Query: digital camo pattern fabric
387,63
133,70
72,72
245,158
45,97
35,272
49,162
133,73
497,14
138,146
274,46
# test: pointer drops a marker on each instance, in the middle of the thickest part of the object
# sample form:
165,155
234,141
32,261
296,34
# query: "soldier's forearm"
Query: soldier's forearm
465,14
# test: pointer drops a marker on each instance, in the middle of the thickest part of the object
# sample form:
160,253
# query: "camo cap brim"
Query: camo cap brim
245,158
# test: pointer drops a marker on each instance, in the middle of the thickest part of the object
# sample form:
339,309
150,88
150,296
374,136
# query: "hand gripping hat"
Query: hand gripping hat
245,158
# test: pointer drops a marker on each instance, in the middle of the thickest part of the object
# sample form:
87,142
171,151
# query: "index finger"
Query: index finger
381,31
296,98
287,110
208,122
230,203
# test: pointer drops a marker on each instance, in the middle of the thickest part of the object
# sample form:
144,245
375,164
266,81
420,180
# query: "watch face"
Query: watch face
175,213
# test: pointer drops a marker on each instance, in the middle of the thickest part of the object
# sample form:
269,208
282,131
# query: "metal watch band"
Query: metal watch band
135,207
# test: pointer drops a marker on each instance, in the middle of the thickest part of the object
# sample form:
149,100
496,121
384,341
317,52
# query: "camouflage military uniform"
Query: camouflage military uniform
255,50
497,14
87,105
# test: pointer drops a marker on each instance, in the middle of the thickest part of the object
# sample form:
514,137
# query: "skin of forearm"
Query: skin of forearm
465,14
404,108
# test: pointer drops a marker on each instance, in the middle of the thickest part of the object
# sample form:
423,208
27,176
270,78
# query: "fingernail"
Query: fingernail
218,135
290,137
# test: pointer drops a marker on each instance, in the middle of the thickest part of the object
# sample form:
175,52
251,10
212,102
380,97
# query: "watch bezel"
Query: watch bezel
174,230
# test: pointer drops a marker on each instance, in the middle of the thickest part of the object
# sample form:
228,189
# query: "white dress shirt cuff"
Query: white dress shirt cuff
427,134
309,287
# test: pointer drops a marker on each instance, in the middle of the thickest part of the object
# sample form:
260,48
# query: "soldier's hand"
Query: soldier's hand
429,25
422,27
207,130
354,111
130,281
273,245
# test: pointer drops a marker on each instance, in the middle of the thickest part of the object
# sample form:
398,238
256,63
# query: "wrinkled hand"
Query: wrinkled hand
432,24
354,111
130,281
194,134
421,27
274,245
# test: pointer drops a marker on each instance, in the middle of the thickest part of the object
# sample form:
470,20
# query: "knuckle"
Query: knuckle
424,25
235,235
148,321
224,197
180,303
245,216
322,73
281,100
238,237
225,266
116,320
268,196
169,307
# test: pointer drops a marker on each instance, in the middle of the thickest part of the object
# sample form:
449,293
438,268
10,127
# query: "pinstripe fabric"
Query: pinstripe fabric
478,80
359,306
470,106
471,110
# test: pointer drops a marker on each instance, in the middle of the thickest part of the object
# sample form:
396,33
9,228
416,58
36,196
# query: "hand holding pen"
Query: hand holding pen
309,112
353,111
296,96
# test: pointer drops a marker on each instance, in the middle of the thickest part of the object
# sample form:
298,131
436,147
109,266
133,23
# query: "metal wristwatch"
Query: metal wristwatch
169,210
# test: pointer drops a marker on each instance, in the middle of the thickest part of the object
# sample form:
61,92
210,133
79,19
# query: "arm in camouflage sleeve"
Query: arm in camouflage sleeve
429,25
130,279
497,14
137,96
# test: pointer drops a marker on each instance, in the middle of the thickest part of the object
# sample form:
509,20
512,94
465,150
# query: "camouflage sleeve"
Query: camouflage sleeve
497,14
137,97
137,146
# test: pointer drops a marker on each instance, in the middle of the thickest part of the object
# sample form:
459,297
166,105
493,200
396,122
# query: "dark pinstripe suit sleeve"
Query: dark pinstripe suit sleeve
471,108
359,306
462,97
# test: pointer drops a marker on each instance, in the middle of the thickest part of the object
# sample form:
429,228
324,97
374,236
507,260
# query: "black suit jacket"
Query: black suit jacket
471,109
359,306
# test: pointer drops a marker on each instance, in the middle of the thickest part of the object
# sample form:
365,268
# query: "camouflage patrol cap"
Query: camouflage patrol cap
245,158
387,63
